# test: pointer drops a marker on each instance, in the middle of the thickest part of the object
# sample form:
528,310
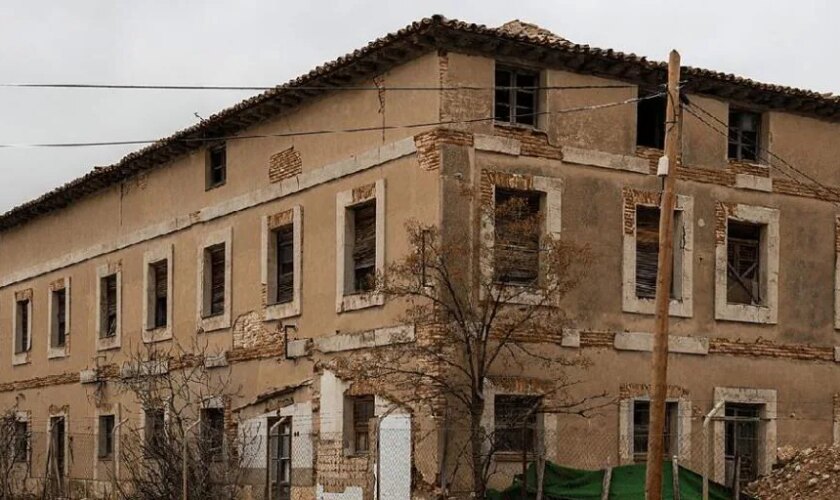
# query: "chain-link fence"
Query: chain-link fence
396,456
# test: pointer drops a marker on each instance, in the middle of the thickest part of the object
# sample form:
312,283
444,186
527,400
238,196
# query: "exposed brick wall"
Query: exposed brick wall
363,193
628,391
633,197
285,164
741,167
428,145
768,349
837,234
23,294
534,142
722,213
507,180
249,331
597,339
336,471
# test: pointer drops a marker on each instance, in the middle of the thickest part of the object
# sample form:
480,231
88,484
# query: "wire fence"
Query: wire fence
396,457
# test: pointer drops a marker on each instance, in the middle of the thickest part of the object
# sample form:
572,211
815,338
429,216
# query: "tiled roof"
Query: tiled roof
514,39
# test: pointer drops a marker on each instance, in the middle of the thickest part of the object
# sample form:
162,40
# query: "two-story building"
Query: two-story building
255,233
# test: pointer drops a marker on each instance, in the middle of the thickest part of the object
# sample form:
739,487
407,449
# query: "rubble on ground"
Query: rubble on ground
813,473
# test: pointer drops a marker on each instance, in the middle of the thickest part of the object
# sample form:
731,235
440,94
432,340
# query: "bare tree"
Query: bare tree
185,427
15,436
485,303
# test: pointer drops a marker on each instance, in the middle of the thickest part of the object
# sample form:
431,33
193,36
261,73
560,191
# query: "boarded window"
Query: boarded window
59,307
106,437
363,412
650,121
743,266
154,432
516,96
518,226
216,166
108,306
647,252
285,259
744,135
364,246
22,333
516,422
21,441
160,293
215,279
641,429
212,431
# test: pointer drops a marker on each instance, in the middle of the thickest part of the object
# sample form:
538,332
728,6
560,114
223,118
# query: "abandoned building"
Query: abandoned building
262,245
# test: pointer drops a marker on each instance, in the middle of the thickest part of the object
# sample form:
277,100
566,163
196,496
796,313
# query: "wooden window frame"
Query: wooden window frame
218,320
291,219
513,95
211,182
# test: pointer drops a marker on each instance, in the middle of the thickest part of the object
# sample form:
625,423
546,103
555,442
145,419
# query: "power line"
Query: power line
114,86
318,132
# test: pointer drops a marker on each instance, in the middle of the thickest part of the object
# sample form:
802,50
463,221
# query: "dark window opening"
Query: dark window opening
106,437
154,433
21,441
59,298
516,253
741,440
57,442
641,429
160,293
285,262
22,341
744,139
109,306
516,96
216,166
516,422
647,251
363,412
364,246
650,122
213,431
743,263
280,457
216,279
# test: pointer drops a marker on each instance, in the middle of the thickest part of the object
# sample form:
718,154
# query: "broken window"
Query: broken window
285,263
214,280
21,441
641,429
159,294
650,121
741,440
743,263
647,251
212,431
105,447
59,319
58,433
22,333
364,246
154,432
216,166
108,306
516,96
516,422
518,228
744,135
363,412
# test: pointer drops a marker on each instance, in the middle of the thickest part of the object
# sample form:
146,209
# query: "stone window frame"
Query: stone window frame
57,285
23,357
766,446
552,191
114,342
769,247
346,200
625,426
220,321
293,216
67,454
682,307
166,253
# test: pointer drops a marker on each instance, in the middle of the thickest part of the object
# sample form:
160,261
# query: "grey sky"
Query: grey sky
250,42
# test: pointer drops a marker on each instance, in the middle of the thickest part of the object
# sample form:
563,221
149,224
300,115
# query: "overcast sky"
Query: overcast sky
256,43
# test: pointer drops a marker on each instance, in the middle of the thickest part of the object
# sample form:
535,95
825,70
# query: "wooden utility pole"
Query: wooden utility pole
659,366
